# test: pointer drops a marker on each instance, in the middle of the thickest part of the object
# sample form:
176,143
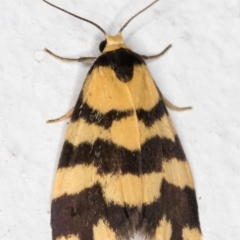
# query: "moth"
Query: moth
122,169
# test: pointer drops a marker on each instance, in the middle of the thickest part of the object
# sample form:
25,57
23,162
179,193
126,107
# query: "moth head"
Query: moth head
102,45
110,42
113,42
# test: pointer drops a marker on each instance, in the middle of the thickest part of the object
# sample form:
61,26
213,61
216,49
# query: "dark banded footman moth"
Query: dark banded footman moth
122,168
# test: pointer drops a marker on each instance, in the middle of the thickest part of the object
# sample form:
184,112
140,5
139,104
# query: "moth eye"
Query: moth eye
102,45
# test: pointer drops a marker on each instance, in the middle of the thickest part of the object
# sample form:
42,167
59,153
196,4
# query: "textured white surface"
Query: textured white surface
202,70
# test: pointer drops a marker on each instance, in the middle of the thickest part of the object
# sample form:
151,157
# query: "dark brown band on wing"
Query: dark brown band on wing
91,115
149,117
77,214
179,206
107,157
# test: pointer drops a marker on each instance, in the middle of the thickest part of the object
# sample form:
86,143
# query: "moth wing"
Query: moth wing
122,168
97,191
169,208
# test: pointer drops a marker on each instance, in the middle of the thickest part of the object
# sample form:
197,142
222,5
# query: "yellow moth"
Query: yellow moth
122,168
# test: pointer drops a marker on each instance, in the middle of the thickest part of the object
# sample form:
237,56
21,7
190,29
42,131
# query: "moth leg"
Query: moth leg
172,107
157,55
82,59
67,115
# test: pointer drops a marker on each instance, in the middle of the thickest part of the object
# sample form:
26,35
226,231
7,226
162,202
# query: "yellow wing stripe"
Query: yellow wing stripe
193,233
164,231
162,128
103,232
120,133
68,237
121,189
178,173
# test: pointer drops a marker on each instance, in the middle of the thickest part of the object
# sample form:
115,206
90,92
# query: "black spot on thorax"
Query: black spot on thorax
122,61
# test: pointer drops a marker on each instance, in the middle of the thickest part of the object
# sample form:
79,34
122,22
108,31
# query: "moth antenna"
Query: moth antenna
84,19
136,15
